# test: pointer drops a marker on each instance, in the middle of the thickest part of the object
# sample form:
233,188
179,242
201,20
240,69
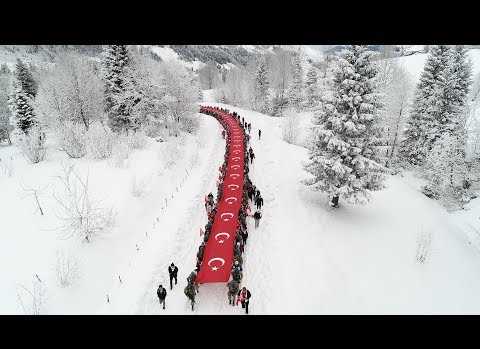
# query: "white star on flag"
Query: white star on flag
214,268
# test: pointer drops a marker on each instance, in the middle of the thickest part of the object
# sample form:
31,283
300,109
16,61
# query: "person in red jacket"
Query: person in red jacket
244,298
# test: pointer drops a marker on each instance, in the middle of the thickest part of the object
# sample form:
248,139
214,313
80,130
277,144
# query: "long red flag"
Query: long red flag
218,255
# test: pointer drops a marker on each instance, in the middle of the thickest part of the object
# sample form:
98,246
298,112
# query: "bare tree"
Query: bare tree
67,269
397,87
32,301
209,75
36,193
80,215
290,127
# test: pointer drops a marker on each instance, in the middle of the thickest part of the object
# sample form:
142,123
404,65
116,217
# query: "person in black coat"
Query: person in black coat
162,294
256,216
259,134
259,202
244,235
172,272
244,297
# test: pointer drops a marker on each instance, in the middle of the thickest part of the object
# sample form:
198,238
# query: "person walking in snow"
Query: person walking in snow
201,251
249,127
233,288
259,134
259,202
244,235
172,272
162,294
256,216
237,271
223,134
252,156
190,293
243,297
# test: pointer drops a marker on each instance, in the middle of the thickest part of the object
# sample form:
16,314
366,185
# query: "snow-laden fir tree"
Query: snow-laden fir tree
261,87
311,88
24,77
445,166
295,93
21,105
421,131
344,159
5,113
116,61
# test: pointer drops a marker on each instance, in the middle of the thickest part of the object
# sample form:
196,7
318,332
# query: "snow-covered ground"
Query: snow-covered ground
171,176
306,259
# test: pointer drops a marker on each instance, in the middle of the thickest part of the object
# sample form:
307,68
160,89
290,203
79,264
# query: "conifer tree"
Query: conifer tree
261,88
295,94
116,61
426,112
311,88
344,159
25,79
22,110
445,166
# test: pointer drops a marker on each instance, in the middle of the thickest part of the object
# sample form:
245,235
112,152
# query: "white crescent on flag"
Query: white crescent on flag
233,167
230,200
236,152
226,214
221,241
215,268
236,145
234,175
232,186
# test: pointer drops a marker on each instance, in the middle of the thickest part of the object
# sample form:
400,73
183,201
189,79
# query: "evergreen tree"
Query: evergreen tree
261,93
22,110
24,77
344,159
422,124
446,162
295,94
311,88
116,62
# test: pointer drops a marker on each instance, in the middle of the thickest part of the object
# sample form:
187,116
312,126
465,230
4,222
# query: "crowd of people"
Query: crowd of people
251,195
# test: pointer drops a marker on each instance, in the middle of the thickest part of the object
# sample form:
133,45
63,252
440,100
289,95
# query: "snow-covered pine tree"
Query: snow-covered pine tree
419,134
116,60
344,159
446,162
261,87
295,93
25,79
23,113
311,88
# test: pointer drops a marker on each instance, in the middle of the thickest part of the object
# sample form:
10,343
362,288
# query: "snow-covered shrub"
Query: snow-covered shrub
73,140
137,140
138,186
6,166
190,124
446,170
32,144
66,267
81,216
32,301
290,127
424,240
100,141
430,192
120,152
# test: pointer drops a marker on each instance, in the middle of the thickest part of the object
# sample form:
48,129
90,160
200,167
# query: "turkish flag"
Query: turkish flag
218,256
